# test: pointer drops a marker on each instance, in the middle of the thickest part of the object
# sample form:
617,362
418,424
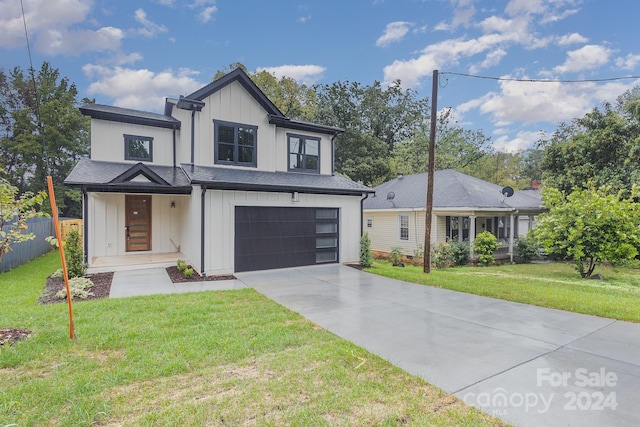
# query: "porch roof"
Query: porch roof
99,176
451,190
225,178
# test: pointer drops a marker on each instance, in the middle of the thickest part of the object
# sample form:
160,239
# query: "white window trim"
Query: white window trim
408,227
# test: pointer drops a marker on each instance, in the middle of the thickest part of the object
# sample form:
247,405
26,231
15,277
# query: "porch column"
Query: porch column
511,230
472,234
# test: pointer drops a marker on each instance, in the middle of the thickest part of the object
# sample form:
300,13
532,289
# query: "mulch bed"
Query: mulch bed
100,289
355,265
177,276
8,336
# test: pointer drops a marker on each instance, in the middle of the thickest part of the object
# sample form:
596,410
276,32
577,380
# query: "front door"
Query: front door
138,225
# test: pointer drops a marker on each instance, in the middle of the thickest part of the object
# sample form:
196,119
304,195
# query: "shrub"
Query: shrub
526,249
366,257
79,288
440,255
485,245
458,252
188,272
73,255
58,273
396,255
182,265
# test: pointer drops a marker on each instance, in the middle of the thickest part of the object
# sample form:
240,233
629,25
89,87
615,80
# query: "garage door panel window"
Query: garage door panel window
235,144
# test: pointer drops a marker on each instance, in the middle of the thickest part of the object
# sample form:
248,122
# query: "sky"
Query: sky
134,54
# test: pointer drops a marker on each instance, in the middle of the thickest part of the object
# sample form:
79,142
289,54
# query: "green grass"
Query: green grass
211,358
554,285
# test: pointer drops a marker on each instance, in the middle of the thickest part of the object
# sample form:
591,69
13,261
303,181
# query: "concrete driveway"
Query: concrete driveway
530,366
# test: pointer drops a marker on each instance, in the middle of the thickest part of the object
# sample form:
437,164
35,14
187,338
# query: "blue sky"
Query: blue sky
135,53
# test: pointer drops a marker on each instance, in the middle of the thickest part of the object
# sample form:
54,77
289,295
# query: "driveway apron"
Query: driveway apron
530,366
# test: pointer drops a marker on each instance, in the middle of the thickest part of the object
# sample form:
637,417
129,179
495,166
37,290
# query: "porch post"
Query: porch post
472,234
511,230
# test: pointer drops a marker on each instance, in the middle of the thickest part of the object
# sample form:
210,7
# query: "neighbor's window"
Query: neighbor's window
304,153
235,144
138,148
404,227
369,222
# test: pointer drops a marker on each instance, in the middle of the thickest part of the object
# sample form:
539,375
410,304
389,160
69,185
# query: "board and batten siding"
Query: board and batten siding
107,219
107,141
385,233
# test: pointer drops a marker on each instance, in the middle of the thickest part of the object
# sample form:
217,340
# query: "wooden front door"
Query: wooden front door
138,223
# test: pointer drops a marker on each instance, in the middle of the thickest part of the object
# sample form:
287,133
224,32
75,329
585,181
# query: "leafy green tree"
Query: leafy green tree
366,257
44,133
589,227
376,119
14,213
485,244
601,148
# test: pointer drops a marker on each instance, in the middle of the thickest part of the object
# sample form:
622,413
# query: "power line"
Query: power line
609,79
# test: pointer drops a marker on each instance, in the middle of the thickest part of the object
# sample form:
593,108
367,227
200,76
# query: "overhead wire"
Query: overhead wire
513,79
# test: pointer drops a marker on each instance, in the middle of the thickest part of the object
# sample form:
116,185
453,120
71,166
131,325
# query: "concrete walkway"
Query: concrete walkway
150,281
530,366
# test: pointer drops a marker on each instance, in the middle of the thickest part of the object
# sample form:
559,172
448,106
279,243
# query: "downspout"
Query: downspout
174,146
85,225
202,223
193,135
366,196
333,151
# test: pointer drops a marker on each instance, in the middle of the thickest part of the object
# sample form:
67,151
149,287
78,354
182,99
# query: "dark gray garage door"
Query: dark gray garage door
281,237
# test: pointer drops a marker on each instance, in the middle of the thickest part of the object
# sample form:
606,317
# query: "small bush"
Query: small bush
485,245
182,265
58,273
79,288
73,255
440,255
458,252
396,255
366,257
526,249
188,272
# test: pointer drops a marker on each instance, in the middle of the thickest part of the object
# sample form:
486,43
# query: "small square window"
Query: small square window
138,148
304,153
235,144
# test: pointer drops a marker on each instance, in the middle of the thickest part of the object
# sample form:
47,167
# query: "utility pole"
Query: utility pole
432,151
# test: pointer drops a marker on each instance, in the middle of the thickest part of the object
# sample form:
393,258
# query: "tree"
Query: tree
14,213
601,148
44,133
590,227
366,257
375,120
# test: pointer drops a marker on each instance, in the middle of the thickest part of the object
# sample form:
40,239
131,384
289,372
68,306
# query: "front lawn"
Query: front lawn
210,358
554,285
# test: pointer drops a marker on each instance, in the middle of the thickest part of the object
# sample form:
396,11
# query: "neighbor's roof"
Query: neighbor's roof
126,115
451,189
101,176
224,178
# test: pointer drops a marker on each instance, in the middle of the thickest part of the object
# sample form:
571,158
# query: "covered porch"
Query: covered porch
133,261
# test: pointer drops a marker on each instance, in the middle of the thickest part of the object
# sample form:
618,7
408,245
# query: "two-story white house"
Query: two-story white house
222,179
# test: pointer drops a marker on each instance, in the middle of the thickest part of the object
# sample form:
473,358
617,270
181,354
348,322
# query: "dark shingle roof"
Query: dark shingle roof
255,180
96,175
126,115
451,189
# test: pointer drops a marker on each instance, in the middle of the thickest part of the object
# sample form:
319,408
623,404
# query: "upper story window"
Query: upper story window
138,148
304,153
235,144
404,227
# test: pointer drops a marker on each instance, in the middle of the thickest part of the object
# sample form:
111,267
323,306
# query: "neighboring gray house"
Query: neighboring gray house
222,179
463,207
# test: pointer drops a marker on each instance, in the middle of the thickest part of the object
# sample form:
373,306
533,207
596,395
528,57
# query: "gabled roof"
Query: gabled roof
241,77
94,175
223,178
451,190
126,115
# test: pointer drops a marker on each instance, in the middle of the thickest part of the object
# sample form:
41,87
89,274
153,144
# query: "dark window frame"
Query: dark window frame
303,141
236,127
128,138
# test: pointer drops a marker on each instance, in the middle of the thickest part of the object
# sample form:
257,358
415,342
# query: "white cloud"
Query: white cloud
304,19
629,62
50,25
493,58
522,141
573,38
140,88
206,9
306,74
394,32
149,28
207,14
587,57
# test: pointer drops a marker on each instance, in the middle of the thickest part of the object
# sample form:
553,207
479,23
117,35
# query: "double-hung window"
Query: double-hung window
404,227
235,144
304,153
138,148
